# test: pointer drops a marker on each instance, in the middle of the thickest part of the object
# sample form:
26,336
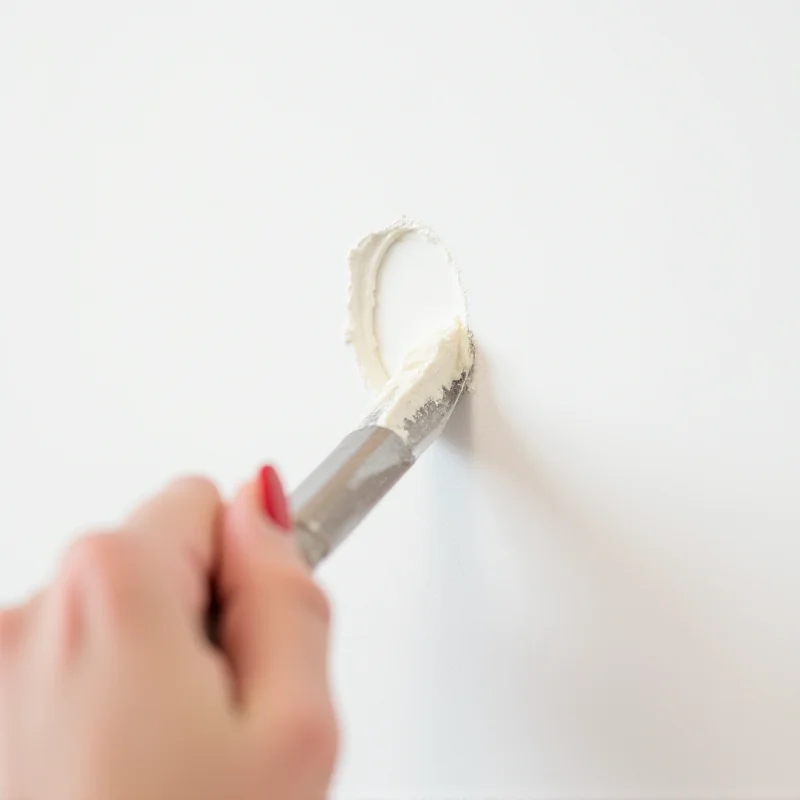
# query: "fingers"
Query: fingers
183,516
275,633
150,574
275,618
182,521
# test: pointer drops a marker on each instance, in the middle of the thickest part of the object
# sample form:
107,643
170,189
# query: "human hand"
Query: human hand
110,689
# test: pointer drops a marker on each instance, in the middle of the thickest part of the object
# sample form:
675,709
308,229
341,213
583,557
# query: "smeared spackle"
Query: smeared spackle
427,371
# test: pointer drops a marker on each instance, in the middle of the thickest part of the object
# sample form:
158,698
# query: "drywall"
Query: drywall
590,588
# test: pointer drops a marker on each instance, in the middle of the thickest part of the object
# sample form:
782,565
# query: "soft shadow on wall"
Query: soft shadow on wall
631,679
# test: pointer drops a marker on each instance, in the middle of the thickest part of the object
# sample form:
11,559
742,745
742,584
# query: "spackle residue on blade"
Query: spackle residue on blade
428,370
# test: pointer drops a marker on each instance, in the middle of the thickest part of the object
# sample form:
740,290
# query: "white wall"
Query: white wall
590,589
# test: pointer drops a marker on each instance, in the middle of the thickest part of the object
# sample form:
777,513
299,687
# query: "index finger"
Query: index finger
182,521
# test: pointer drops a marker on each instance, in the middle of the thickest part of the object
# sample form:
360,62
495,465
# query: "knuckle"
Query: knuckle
90,556
104,564
198,486
300,589
309,737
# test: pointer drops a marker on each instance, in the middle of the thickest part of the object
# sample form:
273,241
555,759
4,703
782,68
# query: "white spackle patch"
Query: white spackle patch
427,370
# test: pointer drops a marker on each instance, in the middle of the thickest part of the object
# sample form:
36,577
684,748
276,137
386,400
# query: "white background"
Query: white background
591,588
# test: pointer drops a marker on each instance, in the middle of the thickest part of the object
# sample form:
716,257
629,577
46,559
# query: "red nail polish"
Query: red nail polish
273,499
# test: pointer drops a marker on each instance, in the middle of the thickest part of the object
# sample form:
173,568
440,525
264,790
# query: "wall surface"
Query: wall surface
590,587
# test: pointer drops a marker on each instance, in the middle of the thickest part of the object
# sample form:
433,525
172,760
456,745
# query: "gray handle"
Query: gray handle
345,487
336,496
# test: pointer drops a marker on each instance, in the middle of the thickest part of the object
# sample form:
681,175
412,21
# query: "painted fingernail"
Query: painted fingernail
273,499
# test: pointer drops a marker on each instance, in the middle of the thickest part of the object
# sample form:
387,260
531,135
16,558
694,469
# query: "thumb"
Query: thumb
275,619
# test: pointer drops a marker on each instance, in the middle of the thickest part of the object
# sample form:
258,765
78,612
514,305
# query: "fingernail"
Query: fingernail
272,497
